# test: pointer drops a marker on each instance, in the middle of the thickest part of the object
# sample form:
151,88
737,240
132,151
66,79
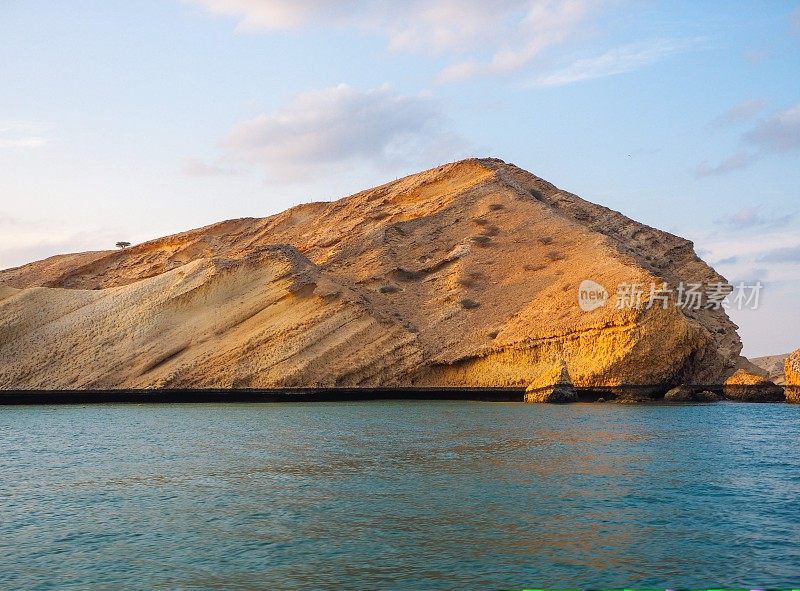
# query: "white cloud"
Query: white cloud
779,133
546,24
497,35
23,134
330,130
616,61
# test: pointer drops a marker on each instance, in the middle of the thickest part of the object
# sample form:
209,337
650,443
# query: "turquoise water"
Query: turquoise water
399,495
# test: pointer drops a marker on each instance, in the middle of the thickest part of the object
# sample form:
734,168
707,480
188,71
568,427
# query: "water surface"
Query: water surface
399,495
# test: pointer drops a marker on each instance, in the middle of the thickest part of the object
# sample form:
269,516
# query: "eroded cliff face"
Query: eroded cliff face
793,377
463,275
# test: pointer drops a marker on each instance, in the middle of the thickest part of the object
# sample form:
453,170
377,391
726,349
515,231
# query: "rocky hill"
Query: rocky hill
463,275
772,366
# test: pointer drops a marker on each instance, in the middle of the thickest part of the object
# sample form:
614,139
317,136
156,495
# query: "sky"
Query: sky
133,120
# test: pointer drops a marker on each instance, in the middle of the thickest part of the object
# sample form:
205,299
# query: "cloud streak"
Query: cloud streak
739,113
789,254
753,217
737,161
23,134
616,61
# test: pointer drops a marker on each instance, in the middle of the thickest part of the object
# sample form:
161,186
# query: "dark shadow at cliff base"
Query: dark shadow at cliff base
630,394
258,395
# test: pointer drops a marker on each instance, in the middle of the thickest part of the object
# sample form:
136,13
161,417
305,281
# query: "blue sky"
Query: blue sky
132,120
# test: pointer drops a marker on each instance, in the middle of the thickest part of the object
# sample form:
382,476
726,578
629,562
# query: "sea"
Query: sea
399,495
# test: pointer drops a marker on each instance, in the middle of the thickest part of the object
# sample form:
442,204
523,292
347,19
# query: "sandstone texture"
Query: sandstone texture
465,275
792,377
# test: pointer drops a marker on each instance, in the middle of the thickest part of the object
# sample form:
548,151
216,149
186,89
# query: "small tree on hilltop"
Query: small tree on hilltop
123,244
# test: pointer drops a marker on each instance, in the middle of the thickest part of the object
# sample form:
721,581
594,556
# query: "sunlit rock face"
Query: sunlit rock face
465,275
793,377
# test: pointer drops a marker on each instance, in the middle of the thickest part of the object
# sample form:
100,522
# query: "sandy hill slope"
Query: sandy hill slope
463,275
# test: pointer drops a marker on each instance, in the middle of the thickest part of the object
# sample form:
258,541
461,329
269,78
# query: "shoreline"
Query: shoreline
624,394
